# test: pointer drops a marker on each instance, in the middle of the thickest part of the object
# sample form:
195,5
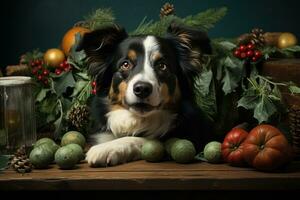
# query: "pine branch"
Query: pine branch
207,19
100,18
158,28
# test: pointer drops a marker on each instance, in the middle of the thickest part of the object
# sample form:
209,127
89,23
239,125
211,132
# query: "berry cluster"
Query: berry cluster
40,71
94,87
63,67
248,52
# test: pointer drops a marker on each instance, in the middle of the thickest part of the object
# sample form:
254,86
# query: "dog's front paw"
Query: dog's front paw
115,152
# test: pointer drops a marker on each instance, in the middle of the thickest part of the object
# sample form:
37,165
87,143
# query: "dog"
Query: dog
145,90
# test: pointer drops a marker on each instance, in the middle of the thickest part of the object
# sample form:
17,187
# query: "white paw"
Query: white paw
115,152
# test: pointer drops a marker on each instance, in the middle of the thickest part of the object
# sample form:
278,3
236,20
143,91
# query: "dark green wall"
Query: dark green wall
30,24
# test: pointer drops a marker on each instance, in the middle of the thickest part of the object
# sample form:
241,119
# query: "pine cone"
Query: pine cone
257,37
79,116
20,162
167,9
294,121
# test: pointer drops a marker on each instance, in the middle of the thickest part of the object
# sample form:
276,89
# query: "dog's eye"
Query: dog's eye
126,66
162,66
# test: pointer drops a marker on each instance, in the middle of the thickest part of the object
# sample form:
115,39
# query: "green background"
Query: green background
31,24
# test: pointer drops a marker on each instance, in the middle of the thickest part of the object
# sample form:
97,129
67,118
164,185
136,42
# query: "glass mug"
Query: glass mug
17,113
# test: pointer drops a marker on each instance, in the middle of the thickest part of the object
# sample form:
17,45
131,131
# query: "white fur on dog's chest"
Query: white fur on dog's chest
124,123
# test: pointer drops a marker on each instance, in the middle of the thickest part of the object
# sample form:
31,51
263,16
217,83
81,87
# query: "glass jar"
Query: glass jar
17,113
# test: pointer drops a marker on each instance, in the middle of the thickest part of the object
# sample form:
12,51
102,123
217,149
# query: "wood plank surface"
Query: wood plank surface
141,175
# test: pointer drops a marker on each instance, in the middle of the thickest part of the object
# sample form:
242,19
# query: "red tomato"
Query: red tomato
266,148
232,151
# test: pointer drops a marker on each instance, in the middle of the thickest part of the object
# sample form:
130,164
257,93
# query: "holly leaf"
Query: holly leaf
83,75
205,95
48,104
4,161
264,109
78,87
42,94
294,89
63,82
248,101
227,45
233,72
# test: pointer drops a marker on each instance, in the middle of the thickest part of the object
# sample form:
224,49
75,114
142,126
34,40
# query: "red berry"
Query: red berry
46,81
40,77
61,65
66,69
94,83
243,55
34,71
40,67
94,91
242,48
250,53
257,54
45,72
254,59
32,64
58,71
250,46
37,62
65,62
237,53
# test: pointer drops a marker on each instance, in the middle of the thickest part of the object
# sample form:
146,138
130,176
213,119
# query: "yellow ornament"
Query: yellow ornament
286,40
53,57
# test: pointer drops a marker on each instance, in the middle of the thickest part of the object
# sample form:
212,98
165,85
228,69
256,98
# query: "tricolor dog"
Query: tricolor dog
145,90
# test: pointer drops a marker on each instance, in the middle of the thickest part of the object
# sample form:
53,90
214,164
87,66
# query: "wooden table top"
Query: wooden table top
141,175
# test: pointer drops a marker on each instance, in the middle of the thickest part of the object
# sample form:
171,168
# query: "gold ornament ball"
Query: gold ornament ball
53,57
286,40
69,38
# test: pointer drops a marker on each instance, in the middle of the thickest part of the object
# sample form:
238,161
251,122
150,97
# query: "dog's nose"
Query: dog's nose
142,89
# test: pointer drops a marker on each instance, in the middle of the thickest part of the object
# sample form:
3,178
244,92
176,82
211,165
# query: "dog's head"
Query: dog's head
145,73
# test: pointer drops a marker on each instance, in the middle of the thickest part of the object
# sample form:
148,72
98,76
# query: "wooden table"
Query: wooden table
142,175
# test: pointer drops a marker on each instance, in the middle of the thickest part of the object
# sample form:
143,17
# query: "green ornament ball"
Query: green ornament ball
41,156
77,150
43,140
73,137
169,143
66,158
152,151
183,151
212,152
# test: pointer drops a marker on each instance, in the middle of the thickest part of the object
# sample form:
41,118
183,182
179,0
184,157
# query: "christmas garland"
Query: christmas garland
230,78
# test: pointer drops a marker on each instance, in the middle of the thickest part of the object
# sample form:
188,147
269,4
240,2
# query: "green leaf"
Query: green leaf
202,82
78,87
83,75
58,123
264,109
228,45
233,73
42,94
48,104
100,18
205,95
62,83
294,89
294,49
248,101
4,161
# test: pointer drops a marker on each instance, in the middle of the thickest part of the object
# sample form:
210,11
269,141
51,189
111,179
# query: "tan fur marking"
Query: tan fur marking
117,98
132,55
156,56
168,100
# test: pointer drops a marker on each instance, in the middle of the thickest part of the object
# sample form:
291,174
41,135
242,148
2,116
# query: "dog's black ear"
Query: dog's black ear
99,46
192,44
